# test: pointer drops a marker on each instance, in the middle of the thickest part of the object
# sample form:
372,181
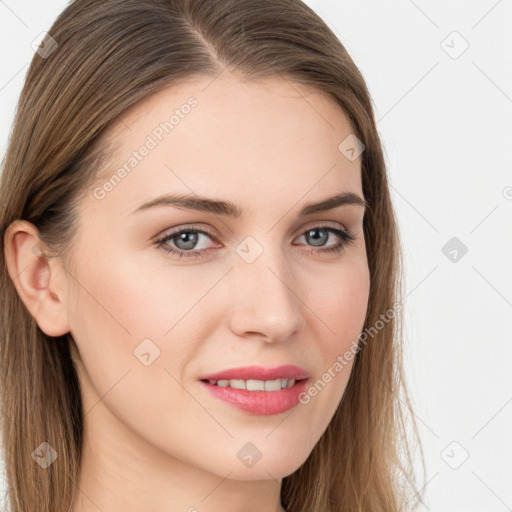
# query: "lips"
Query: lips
258,390
258,373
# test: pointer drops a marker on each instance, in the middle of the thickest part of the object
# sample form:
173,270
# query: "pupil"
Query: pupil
190,239
314,238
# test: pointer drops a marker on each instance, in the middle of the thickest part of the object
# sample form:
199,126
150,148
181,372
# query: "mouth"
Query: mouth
254,384
258,390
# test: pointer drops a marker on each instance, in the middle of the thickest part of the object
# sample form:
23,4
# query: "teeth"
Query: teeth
237,384
258,385
255,385
269,385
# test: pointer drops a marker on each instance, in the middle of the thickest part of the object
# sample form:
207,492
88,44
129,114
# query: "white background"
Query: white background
445,120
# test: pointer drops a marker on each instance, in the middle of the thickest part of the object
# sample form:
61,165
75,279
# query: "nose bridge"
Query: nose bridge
265,299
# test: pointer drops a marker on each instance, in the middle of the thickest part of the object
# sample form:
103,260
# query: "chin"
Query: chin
275,464
262,471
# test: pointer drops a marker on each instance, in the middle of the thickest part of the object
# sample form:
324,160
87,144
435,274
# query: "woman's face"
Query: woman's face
263,288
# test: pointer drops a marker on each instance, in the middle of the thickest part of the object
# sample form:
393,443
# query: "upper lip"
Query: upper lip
259,373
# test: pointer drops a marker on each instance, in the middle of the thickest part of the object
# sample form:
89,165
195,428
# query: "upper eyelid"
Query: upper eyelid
209,231
174,231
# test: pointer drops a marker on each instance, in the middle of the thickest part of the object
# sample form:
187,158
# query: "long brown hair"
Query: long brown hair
107,56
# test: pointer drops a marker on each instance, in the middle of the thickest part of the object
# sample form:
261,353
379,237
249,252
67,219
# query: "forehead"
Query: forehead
228,135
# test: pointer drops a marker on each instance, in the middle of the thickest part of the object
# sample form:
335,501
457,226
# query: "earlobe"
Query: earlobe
36,278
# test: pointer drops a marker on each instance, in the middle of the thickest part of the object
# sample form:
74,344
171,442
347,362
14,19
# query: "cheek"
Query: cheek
119,307
341,304
126,307
339,309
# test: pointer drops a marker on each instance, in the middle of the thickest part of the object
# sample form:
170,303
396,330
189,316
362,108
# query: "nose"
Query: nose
266,298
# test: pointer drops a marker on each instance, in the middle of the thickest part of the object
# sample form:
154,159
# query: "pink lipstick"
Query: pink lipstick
256,389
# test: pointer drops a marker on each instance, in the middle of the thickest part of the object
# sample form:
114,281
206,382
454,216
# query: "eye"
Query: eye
319,236
186,238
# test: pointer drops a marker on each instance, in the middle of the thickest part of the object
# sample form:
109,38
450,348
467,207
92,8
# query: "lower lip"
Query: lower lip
259,402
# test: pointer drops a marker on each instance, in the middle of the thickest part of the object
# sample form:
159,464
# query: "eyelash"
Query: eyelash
346,236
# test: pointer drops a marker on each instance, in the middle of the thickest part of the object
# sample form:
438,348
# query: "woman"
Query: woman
200,299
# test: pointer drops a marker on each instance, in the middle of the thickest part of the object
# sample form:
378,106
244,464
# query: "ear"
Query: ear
39,280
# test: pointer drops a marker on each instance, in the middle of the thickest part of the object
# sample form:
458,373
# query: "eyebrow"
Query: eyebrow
227,208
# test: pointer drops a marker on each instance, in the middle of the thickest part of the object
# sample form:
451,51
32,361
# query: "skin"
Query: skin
154,439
